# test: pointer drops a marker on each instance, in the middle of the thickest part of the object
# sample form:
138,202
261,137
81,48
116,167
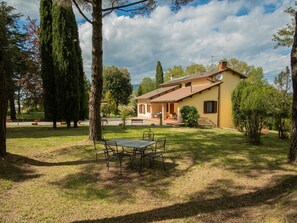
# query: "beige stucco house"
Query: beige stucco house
209,92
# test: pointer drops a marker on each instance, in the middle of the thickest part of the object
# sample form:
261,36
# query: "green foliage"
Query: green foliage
237,113
125,111
110,107
175,72
146,85
284,36
118,82
281,102
13,50
254,74
189,115
67,63
84,97
178,71
195,69
47,64
251,105
139,91
159,74
283,81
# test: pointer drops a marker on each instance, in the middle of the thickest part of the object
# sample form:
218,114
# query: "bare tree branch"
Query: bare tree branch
123,6
81,12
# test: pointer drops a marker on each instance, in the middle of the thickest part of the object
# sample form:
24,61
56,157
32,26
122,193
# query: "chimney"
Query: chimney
171,77
222,65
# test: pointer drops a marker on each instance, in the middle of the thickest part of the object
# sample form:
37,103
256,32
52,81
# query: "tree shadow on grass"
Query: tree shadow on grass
33,162
44,132
230,151
19,168
227,204
16,168
94,182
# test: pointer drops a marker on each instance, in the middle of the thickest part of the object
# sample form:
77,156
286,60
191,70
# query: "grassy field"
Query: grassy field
212,176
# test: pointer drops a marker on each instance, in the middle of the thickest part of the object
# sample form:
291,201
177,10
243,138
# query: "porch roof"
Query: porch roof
157,92
183,93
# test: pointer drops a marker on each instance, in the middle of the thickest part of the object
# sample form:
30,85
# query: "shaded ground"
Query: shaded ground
212,176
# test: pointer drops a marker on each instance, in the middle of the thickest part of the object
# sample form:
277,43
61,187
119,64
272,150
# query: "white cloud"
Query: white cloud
194,34
26,7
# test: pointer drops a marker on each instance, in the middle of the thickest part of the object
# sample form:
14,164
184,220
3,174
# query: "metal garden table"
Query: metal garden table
136,145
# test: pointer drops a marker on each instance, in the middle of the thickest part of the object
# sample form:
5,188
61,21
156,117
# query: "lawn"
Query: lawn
212,175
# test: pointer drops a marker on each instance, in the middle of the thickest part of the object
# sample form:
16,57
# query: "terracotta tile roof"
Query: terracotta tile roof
157,92
198,76
182,93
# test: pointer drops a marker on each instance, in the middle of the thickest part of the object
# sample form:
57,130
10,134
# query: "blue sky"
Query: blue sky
223,29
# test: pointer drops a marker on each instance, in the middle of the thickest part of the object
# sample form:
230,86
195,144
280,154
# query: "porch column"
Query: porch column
179,119
163,111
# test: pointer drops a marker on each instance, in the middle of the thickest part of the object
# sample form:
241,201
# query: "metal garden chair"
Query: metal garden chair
113,153
157,151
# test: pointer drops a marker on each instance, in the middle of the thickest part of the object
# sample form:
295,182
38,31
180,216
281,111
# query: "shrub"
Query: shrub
125,111
190,115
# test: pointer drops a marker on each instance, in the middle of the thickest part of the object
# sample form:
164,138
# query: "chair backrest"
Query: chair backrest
148,135
111,147
160,145
100,143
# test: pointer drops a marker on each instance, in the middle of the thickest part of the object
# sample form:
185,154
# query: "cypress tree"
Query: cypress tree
159,74
47,66
66,59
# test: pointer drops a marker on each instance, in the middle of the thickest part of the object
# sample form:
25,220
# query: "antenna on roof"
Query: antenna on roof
212,59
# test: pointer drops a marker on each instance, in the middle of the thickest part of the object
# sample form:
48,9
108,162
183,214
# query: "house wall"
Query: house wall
230,82
197,101
200,81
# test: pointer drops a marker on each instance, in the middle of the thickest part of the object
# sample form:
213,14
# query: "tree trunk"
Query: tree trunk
3,107
68,123
292,156
95,132
12,106
19,101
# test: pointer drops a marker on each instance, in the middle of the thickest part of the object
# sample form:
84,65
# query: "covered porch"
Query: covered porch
170,111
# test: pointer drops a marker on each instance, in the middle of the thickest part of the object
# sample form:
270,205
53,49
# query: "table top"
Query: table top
133,143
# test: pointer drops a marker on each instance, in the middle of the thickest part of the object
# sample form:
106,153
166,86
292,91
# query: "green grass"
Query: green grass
212,176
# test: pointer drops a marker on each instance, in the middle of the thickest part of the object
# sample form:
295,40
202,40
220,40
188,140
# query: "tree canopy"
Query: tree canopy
175,72
250,106
284,36
146,85
195,69
11,46
117,81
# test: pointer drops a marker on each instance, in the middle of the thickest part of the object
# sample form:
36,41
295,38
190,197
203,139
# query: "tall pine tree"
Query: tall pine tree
47,65
66,61
3,77
10,47
159,74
